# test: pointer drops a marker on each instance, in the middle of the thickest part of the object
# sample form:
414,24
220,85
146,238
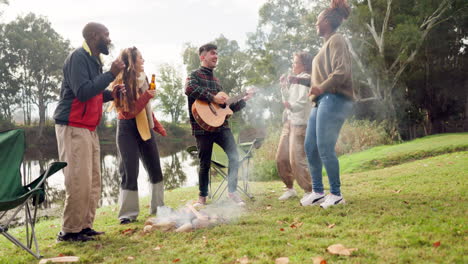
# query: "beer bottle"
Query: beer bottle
152,85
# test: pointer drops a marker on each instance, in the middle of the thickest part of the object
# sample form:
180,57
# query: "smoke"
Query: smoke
187,218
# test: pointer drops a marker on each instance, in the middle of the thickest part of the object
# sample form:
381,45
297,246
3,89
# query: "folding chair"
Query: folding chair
219,163
14,196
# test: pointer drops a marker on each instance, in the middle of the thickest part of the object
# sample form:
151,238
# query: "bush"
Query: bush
358,135
264,163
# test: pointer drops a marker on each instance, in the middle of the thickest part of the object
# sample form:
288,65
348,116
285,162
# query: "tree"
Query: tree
8,86
391,34
172,98
284,27
41,52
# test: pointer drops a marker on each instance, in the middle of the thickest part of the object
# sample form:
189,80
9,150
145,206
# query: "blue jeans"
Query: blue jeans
322,132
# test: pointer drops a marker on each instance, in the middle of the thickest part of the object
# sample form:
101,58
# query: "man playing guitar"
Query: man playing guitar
202,85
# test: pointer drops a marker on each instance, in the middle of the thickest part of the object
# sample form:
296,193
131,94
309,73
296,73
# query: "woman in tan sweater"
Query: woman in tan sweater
333,94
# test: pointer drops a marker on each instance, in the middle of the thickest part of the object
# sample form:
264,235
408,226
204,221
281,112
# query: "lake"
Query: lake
179,168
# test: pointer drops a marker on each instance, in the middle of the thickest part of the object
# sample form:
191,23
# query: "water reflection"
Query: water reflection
179,170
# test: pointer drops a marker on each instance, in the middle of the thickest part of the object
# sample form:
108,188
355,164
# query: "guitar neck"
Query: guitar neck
235,99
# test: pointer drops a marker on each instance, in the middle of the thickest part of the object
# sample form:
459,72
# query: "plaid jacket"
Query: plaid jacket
201,84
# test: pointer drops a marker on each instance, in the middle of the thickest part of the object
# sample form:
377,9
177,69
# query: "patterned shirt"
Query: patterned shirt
201,84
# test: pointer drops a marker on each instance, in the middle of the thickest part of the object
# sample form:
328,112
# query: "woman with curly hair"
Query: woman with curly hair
331,87
135,139
290,156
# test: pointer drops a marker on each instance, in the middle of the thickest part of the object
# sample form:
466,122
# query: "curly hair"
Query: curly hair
338,11
306,60
128,77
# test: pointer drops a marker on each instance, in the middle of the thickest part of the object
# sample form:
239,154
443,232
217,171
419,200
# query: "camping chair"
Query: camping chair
219,163
14,195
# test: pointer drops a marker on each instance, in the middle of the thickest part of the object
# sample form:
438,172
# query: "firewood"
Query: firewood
185,228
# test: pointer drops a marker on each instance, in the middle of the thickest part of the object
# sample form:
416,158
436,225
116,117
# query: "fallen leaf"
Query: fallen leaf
53,226
281,229
243,260
289,244
436,244
298,224
176,260
122,248
62,259
339,249
114,209
60,255
272,191
331,226
319,260
406,202
205,240
103,213
130,258
283,260
279,222
268,207
397,191
128,231
293,226
157,248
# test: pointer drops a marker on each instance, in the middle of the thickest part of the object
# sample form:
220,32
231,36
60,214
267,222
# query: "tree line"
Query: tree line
410,61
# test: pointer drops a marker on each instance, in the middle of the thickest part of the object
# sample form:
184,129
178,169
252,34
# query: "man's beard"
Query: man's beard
103,48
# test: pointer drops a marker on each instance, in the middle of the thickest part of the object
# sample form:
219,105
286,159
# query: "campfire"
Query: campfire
188,218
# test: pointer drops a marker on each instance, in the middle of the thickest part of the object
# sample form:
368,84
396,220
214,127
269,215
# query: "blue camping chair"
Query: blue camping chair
14,196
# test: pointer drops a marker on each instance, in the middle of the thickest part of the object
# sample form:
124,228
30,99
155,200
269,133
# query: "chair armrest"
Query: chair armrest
53,168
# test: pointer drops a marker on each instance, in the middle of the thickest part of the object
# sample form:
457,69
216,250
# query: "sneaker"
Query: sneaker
91,232
125,221
201,201
312,199
331,200
288,194
72,237
305,196
236,198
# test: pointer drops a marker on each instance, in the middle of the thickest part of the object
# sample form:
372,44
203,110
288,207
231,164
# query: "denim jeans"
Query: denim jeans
225,140
322,132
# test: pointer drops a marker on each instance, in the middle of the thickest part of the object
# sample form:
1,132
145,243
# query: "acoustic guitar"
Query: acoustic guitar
210,115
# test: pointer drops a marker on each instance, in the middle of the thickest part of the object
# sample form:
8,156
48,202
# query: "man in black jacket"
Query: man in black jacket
77,115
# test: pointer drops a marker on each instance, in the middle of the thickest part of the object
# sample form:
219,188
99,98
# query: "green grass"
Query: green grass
393,215
389,155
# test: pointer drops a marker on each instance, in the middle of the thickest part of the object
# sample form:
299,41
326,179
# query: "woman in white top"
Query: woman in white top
290,156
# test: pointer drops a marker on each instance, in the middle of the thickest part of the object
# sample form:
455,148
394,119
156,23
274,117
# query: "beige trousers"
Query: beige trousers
79,147
291,157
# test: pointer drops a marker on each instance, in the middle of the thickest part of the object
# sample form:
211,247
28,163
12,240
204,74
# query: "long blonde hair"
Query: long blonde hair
128,77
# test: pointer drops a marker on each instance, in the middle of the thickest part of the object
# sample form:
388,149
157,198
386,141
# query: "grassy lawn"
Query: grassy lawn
393,215
384,156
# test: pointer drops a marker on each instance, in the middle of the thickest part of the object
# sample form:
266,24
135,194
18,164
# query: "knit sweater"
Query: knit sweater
201,84
331,68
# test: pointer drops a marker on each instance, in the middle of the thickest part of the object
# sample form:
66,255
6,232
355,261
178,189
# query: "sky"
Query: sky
158,28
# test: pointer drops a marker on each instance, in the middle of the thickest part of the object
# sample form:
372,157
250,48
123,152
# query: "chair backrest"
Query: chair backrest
11,156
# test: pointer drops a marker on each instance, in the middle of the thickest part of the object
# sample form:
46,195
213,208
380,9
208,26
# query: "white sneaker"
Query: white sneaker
305,196
331,200
312,199
236,198
288,194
